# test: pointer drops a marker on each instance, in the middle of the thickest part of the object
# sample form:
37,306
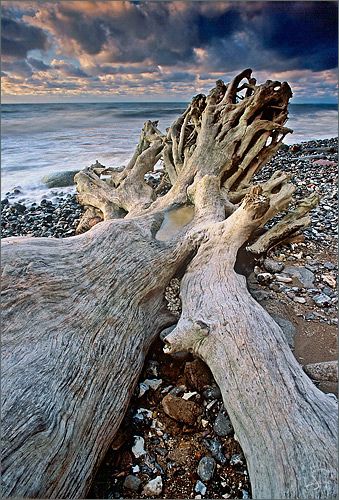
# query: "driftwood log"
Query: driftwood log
80,314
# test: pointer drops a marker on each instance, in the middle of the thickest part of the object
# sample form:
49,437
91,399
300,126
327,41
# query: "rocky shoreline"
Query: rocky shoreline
176,440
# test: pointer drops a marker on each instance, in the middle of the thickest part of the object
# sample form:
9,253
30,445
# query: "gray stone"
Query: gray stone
212,392
328,291
200,488
132,483
329,266
260,295
273,266
309,316
322,300
287,327
206,468
305,276
215,448
60,179
222,425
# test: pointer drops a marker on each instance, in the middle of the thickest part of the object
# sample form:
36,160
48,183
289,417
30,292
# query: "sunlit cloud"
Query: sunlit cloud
168,49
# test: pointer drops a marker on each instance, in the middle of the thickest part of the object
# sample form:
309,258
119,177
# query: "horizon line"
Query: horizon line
146,102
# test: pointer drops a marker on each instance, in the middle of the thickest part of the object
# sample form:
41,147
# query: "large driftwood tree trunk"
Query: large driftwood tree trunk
80,314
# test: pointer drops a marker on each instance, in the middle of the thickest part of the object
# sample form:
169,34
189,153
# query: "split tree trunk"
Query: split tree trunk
80,314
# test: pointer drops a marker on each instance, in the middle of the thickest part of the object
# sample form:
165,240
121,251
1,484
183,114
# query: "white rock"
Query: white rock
300,300
154,487
211,404
283,279
189,395
153,383
204,423
200,488
144,412
136,468
138,449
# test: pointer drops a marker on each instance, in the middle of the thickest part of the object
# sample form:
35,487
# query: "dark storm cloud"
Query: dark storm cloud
296,35
18,68
69,70
173,44
38,64
305,31
131,70
17,38
179,76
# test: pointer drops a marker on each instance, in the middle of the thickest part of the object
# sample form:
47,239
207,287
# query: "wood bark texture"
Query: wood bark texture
80,314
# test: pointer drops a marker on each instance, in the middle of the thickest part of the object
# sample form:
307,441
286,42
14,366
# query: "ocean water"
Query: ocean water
39,139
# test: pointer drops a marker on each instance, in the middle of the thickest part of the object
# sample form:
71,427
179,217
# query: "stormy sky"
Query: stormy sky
157,50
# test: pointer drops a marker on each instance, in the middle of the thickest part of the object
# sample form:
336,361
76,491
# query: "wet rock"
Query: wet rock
206,468
287,327
216,450
132,483
60,179
20,208
212,392
260,295
322,300
181,410
273,266
197,374
153,487
222,425
305,276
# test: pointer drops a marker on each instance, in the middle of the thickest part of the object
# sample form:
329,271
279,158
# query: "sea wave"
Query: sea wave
39,139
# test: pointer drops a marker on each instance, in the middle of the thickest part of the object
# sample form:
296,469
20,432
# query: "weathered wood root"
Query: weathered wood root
288,226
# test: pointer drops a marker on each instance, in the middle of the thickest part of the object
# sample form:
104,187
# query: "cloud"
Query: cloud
17,38
305,33
38,64
67,69
176,47
17,68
